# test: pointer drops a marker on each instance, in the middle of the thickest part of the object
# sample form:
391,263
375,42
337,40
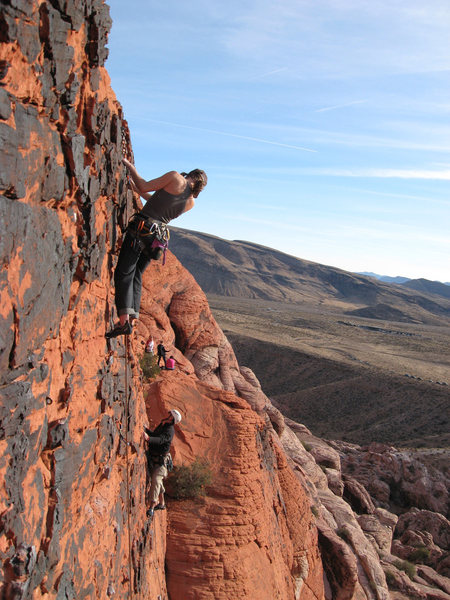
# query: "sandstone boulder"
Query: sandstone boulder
426,521
357,496
371,575
302,459
433,578
399,580
395,478
379,529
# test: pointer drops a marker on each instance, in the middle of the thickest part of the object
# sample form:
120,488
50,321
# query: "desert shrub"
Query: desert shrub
390,578
307,446
420,554
149,365
407,567
342,533
315,510
189,481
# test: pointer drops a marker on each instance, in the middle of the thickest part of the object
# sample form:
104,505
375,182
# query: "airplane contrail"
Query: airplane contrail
340,105
234,135
268,74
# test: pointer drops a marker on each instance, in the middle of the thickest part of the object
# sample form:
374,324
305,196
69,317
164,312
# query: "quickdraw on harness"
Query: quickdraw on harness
151,237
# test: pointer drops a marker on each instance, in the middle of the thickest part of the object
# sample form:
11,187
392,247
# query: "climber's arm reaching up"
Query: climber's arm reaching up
173,182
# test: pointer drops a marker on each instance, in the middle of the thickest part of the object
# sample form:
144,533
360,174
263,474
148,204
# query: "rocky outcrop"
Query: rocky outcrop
181,308
424,536
394,478
360,535
255,517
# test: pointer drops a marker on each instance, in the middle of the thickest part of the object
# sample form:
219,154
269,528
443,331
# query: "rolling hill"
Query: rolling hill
245,270
428,287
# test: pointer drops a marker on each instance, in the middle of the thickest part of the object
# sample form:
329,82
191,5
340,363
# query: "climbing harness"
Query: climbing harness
162,460
150,237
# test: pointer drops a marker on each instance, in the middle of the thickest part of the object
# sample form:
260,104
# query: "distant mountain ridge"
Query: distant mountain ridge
385,278
406,280
246,270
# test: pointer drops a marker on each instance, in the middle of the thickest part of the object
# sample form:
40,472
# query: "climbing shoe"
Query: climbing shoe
160,507
150,513
119,329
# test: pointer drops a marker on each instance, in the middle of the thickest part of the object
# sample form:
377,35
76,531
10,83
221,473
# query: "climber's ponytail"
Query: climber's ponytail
200,180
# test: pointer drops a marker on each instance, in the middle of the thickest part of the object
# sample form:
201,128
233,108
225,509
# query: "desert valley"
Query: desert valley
351,357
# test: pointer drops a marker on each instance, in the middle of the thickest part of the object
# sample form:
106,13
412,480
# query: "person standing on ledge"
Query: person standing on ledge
161,354
150,345
174,195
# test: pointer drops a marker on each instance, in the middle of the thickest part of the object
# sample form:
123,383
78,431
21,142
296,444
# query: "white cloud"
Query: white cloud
443,175
403,138
422,199
338,38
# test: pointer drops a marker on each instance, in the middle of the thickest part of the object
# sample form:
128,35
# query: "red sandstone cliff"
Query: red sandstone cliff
64,457
72,466
256,517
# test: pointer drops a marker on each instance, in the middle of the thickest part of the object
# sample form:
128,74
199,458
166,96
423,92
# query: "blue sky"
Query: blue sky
323,125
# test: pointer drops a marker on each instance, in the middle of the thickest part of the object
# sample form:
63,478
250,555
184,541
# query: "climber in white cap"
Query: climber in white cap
159,458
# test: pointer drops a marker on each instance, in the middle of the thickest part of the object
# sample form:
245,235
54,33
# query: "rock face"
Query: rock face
412,549
218,546
72,461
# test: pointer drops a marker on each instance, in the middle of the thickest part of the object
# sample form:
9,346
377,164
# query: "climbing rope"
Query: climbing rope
127,417
160,596
127,445
127,152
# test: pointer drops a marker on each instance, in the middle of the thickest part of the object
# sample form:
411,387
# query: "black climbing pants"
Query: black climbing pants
162,355
128,276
